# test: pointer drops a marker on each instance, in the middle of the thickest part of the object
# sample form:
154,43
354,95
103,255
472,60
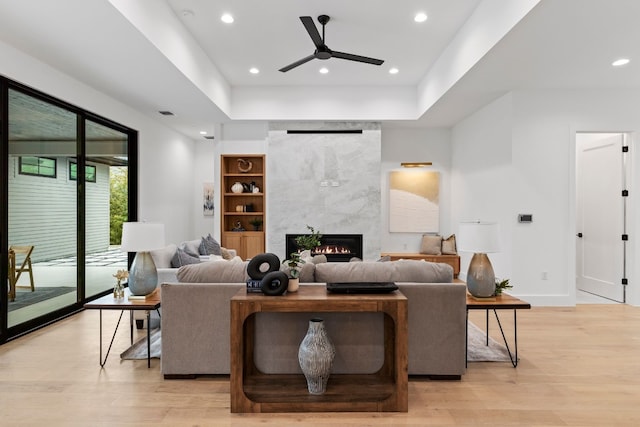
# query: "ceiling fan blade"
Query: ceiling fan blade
295,64
307,21
358,58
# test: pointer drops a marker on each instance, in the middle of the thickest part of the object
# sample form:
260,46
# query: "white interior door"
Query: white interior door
600,215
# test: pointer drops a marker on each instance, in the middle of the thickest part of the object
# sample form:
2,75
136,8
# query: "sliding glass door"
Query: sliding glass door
106,205
66,193
42,207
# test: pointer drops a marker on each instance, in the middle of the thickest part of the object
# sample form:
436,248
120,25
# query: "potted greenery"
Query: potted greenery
309,241
501,285
256,222
295,264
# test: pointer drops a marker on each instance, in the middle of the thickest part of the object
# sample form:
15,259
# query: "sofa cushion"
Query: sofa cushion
162,257
392,271
234,271
182,257
209,246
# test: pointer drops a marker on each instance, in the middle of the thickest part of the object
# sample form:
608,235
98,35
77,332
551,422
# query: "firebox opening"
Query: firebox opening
336,247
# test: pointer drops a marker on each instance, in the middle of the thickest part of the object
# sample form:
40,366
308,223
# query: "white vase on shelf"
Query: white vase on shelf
237,188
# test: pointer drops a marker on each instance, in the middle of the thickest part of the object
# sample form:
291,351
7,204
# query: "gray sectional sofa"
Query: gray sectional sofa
196,312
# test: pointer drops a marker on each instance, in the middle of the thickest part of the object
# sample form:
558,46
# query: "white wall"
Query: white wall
517,155
204,172
481,177
166,167
414,145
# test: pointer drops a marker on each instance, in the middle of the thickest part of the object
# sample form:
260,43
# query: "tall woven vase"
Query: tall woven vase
315,356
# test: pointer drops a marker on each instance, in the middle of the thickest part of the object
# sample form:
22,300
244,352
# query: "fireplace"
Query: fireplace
336,247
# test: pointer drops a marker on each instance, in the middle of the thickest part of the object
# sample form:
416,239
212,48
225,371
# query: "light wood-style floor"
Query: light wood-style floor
578,367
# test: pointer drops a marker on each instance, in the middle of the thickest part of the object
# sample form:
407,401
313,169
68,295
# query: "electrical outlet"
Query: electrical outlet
324,183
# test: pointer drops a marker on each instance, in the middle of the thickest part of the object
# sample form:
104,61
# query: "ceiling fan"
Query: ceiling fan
322,51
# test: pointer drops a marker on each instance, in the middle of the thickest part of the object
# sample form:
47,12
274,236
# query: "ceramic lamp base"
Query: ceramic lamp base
143,276
481,280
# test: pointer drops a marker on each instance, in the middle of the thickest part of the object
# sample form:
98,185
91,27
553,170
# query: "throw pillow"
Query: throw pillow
317,259
182,257
225,254
431,244
449,245
209,246
385,258
162,257
191,247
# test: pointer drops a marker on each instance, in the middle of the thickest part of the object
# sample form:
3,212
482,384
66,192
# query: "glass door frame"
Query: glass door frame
8,333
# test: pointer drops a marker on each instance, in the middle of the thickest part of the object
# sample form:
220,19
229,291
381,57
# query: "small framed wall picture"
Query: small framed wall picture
207,199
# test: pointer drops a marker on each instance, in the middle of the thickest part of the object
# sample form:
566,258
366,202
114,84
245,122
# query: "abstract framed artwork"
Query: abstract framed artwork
207,199
414,205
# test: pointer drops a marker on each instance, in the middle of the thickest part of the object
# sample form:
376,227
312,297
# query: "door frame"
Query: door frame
633,223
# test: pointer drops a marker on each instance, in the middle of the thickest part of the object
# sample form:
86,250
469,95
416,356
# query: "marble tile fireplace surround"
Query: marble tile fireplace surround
325,175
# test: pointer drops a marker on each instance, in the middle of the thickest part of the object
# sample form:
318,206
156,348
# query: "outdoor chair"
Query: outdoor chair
17,253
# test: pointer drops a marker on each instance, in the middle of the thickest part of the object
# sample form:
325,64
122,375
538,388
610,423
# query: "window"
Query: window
39,166
89,172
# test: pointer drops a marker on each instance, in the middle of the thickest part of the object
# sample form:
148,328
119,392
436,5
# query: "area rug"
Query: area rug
139,349
24,297
479,351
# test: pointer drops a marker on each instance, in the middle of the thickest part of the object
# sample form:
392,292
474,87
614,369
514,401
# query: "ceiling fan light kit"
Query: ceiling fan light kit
322,51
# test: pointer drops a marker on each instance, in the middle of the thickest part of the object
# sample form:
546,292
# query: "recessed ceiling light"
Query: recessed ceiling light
203,132
254,70
394,70
420,17
324,70
620,62
227,18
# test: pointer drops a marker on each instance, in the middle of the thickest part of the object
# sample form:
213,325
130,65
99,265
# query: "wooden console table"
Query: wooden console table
253,391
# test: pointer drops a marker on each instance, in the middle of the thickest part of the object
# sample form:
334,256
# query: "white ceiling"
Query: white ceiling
270,35
154,56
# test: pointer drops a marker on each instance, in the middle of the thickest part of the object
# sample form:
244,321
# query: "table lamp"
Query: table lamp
480,238
142,237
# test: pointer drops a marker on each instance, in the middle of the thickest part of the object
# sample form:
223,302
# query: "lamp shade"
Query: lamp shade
478,237
142,236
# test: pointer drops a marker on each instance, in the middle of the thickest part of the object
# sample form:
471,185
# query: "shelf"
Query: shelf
235,175
246,243
244,213
344,392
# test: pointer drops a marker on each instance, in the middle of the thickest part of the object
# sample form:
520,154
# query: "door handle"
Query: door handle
579,235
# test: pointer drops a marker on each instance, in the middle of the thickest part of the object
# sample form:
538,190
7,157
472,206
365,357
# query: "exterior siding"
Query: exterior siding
42,211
